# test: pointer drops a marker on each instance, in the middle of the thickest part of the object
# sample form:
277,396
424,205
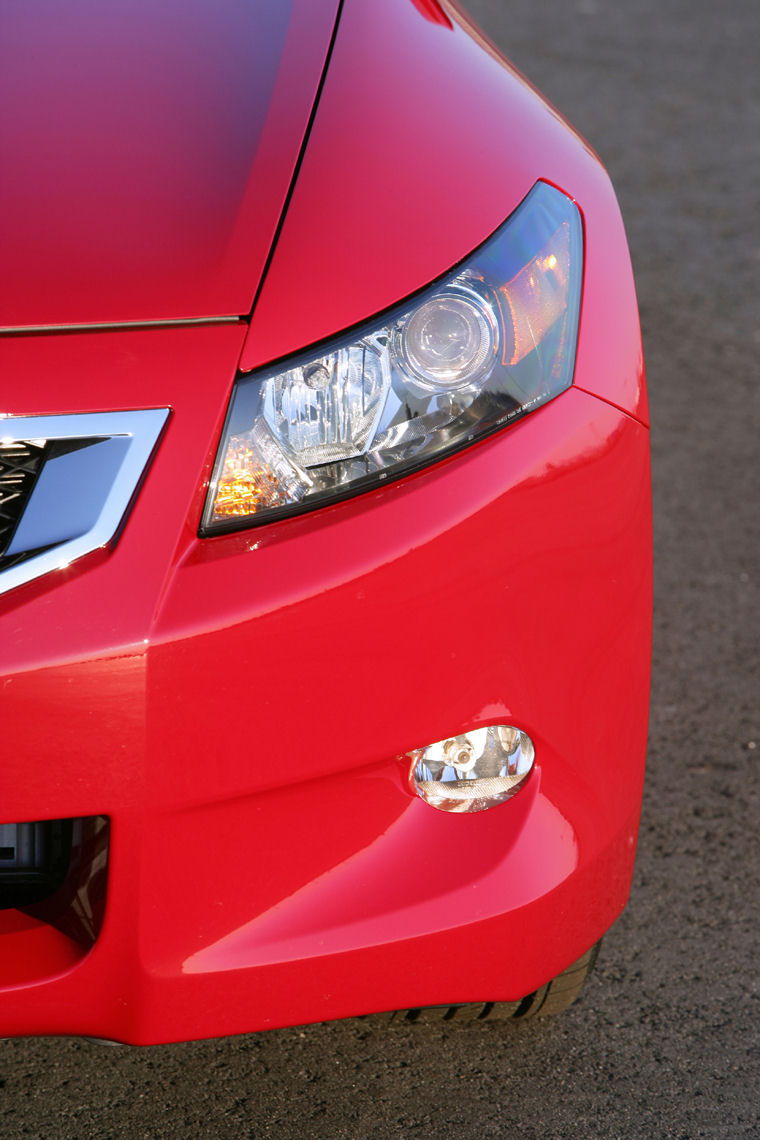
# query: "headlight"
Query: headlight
489,343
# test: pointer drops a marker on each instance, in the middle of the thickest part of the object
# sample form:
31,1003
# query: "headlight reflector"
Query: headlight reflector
493,341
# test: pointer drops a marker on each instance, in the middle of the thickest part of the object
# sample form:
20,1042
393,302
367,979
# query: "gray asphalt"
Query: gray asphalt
665,1041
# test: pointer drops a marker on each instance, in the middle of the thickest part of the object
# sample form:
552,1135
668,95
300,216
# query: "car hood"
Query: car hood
147,151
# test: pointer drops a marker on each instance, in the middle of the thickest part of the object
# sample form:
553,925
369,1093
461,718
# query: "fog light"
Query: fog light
473,771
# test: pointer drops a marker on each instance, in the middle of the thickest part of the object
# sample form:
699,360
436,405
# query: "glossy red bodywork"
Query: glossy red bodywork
147,149
239,707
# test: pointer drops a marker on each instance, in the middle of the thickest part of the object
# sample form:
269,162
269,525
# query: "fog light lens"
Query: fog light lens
473,771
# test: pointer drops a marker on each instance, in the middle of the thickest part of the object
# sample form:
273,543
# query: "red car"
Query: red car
325,585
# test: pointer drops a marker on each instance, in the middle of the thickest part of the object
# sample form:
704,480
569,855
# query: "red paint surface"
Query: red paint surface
146,152
237,706
31,949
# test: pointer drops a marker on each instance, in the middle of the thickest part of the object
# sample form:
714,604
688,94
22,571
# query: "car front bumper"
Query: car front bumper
239,709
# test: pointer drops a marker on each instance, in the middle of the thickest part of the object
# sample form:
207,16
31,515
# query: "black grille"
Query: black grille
20,464
34,858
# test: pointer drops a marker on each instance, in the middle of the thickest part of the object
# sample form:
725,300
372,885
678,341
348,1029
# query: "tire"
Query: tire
554,997
560,993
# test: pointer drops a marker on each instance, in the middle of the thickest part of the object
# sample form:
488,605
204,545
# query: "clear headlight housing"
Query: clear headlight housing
487,344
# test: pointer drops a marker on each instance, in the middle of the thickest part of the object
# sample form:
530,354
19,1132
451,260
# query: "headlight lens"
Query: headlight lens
493,341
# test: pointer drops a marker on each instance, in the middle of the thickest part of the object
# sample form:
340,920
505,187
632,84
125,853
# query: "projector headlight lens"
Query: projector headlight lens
450,341
470,355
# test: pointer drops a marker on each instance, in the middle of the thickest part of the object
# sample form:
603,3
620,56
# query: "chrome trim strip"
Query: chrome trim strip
139,429
105,326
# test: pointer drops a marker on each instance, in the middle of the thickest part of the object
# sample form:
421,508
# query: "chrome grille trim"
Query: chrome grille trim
89,471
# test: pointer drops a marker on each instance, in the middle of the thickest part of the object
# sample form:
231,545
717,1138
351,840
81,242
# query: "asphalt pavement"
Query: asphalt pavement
665,1041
